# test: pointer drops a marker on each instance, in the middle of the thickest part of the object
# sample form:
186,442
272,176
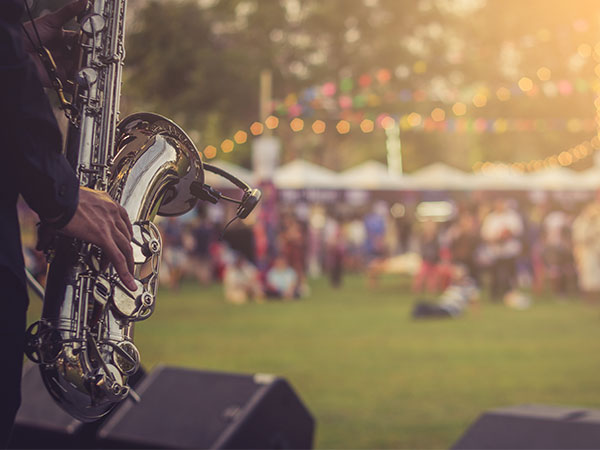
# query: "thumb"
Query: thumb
58,18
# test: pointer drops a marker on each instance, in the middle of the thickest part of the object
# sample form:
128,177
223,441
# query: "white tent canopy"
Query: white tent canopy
500,179
300,174
555,178
589,179
439,176
373,175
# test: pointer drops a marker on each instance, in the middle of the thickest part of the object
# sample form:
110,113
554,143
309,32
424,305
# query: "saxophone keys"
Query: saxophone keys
92,24
86,77
127,303
126,357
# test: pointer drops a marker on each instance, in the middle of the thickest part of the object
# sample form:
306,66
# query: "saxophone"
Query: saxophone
84,340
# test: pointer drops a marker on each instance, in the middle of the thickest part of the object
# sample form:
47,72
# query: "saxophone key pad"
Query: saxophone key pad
92,24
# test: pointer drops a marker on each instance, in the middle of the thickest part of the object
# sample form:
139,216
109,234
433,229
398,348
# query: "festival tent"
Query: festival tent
219,182
373,175
301,174
439,176
589,179
555,178
500,179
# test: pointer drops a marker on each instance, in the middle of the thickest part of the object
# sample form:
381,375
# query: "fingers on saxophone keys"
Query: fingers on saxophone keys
124,245
121,222
126,221
120,253
122,261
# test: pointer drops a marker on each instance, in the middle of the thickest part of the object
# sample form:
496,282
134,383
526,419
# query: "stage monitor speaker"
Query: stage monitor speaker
41,423
534,427
182,408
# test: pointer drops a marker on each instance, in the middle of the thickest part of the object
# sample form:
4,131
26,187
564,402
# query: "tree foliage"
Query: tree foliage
198,62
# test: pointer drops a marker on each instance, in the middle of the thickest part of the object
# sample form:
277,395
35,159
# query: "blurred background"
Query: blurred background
428,243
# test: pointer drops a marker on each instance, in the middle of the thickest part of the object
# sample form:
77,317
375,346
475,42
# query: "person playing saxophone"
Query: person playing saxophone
33,167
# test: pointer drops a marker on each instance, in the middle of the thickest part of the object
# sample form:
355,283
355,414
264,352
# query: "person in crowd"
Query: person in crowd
557,251
174,255
461,294
293,247
427,276
375,227
355,236
281,280
464,241
315,241
501,232
534,237
335,250
199,259
586,241
241,281
240,238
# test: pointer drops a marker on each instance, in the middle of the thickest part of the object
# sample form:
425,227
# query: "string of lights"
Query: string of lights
337,99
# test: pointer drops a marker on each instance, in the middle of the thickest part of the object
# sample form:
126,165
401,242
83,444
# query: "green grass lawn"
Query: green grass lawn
371,376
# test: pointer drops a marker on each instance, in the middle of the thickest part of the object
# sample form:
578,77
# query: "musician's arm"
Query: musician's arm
31,140
30,143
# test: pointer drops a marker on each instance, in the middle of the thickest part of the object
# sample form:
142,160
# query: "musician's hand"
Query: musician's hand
101,221
56,39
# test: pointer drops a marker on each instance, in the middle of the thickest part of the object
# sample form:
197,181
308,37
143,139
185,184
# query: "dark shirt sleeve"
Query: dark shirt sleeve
31,140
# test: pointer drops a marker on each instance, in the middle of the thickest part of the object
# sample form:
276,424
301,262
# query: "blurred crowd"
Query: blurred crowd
502,243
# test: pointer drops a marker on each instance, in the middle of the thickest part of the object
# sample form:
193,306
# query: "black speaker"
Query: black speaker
41,423
534,427
182,408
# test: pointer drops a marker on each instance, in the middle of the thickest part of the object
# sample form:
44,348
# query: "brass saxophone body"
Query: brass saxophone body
84,340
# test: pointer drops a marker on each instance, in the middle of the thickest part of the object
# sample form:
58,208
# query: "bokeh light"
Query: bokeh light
240,137
227,145
272,122
544,74
438,114
584,50
367,126
256,128
343,127
210,151
387,122
480,100
459,109
318,126
525,84
503,94
297,124
565,158
414,119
